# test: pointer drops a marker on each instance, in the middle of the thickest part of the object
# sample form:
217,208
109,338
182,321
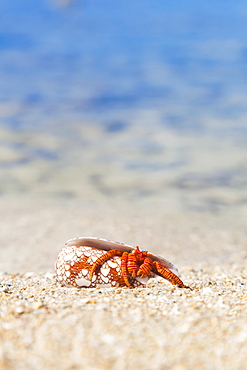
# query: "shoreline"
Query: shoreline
33,232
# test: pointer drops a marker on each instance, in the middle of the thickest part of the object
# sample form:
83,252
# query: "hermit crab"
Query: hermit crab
92,262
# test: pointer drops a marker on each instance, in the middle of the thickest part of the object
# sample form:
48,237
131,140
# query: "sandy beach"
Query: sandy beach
44,325
124,121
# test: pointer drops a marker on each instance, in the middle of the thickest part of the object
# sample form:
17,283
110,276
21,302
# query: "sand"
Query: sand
46,326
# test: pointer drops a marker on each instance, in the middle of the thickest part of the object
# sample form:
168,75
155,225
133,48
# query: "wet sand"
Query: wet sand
44,325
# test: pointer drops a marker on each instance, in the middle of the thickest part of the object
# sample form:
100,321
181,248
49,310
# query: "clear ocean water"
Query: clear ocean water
124,100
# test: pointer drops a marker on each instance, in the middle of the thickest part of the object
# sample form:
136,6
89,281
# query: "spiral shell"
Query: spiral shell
76,259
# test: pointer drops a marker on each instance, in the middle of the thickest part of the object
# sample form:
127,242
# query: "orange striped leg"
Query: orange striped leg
105,257
124,268
168,274
132,265
145,268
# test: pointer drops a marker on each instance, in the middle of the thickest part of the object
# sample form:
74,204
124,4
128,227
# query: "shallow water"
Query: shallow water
126,100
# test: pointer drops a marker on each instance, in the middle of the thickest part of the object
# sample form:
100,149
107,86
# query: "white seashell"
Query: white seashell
81,264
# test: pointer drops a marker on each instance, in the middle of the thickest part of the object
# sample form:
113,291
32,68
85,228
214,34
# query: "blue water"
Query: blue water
136,69
96,56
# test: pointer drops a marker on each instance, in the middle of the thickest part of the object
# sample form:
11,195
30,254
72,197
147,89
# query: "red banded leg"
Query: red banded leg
132,265
105,257
145,268
124,268
168,274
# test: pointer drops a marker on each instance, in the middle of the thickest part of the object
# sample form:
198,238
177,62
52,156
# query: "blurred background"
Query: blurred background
129,100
